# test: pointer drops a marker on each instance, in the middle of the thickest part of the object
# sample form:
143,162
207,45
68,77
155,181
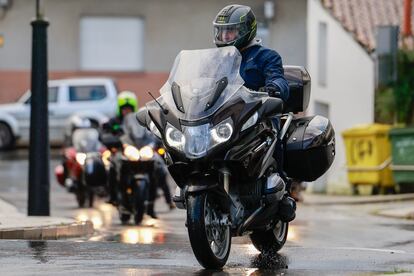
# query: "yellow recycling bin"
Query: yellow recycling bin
368,156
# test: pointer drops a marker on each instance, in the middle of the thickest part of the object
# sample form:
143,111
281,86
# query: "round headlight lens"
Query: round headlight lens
132,153
222,132
146,152
175,138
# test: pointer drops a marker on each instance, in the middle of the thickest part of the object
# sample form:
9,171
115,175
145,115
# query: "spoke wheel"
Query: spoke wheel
210,238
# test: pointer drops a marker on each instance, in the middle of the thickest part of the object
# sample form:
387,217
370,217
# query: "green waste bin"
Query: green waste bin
402,149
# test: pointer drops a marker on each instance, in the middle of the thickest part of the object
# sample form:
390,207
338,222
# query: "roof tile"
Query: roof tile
361,17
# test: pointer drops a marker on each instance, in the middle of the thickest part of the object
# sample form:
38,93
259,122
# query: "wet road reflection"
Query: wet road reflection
39,249
101,216
141,235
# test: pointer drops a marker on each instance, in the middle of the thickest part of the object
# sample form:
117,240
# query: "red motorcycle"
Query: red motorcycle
82,170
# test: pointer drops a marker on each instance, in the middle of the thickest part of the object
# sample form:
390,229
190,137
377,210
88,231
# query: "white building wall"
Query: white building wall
349,89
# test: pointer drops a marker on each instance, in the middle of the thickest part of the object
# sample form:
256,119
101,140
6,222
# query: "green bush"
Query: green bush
395,103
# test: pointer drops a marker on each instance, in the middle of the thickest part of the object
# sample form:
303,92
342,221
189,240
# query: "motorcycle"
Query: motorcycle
83,171
220,139
132,163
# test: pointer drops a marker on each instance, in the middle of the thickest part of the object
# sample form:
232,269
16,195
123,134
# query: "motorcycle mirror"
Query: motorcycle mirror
142,117
272,106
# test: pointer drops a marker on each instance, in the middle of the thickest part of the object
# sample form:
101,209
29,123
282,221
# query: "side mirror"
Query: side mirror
271,107
142,117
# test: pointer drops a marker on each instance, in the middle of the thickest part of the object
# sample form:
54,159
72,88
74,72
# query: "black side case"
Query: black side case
299,88
309,148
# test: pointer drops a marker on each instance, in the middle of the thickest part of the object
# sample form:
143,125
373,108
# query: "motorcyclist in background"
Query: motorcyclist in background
261,69
128,103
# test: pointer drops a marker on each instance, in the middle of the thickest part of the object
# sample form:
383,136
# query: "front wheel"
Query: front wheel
6,137
210,238
270,240
139,203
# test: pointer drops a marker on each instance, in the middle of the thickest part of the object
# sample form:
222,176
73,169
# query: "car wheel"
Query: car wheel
6,137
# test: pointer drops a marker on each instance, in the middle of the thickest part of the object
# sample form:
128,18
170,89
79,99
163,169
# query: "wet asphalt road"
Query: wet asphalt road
323,240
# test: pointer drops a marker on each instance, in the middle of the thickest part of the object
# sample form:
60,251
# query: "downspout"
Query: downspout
407,31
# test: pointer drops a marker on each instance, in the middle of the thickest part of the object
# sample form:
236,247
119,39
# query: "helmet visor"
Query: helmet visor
228,33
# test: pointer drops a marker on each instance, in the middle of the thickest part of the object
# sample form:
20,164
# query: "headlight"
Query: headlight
175,138
105,157
250,122
80,158
146,152
154,130
195,141
221,132
131,152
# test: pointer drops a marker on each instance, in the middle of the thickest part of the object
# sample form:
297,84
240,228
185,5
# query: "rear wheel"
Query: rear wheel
271,240
210,239
6,137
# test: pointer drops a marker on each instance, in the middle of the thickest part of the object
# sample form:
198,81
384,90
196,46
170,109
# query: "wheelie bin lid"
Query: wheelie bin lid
402,131
366,129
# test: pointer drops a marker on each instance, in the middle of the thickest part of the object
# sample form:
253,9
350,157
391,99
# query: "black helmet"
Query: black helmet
234,25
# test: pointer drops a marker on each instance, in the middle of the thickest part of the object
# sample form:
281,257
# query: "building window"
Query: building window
86,93
322,53
112,43
52,95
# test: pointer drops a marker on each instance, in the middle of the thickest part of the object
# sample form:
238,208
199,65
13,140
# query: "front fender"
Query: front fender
11,122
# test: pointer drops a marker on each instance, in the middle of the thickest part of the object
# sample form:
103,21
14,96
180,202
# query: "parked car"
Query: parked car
93,98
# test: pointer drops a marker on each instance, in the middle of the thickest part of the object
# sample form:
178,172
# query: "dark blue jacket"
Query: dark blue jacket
261,67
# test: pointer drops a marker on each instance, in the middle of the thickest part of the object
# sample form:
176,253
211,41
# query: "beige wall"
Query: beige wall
349,89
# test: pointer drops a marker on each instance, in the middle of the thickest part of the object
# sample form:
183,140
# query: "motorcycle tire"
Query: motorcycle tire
91,199
200,211
140,202
124,218
270,241
81,198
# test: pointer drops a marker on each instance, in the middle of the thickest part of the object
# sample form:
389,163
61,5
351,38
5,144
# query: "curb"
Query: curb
50,232
349,200
407,213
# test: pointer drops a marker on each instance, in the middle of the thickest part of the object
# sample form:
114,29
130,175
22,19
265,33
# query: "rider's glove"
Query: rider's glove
273,91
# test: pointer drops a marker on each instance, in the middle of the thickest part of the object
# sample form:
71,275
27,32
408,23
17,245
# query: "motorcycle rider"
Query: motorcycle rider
127,103
261,69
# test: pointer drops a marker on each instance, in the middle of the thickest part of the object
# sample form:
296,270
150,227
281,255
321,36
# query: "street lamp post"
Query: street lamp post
39,185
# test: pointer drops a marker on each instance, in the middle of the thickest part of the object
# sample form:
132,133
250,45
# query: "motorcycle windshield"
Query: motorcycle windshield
201,81
86,140
136,134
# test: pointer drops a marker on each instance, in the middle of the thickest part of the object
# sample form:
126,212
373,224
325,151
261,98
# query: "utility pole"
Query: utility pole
39,184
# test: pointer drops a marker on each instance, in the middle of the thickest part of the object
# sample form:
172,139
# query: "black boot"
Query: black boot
150,210
287,209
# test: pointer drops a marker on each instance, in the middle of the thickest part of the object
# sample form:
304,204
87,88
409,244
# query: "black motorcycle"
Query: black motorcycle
221,139
132,164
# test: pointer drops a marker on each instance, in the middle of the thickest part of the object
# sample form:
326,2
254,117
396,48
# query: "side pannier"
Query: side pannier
309,148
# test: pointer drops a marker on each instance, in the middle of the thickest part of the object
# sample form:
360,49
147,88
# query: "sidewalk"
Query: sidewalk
15,225
402,213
